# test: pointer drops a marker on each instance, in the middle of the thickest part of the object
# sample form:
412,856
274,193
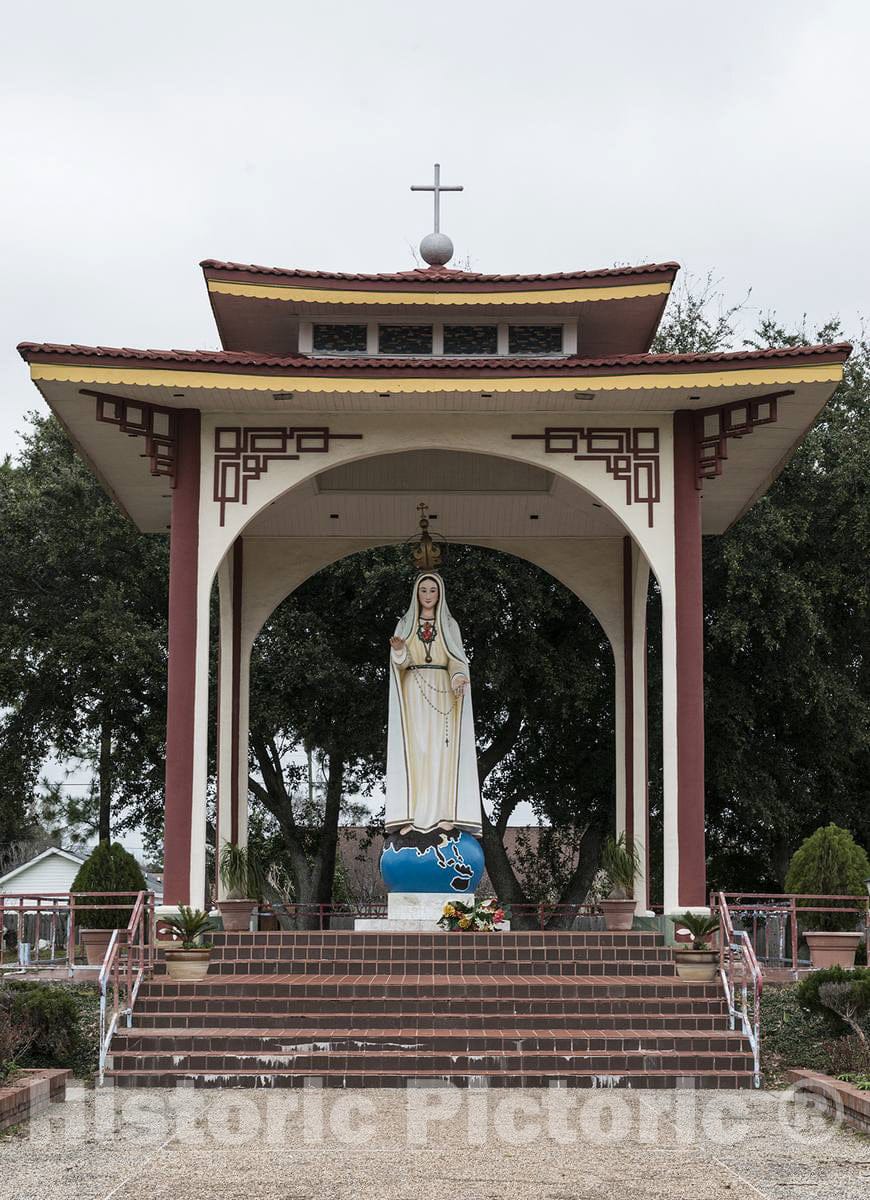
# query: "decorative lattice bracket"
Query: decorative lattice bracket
630,455
242,455
716,425
158,426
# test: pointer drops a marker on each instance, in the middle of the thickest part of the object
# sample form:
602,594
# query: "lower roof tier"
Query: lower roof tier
774,394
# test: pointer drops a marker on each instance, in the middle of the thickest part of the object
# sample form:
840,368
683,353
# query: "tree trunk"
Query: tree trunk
578,885
324,869
501,874
105,778
313,872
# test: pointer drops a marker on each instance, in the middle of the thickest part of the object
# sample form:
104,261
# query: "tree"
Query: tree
788,635
787,626
108,868
83,641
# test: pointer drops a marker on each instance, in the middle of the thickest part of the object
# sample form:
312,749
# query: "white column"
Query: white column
670,832
640,773
619,732
232,755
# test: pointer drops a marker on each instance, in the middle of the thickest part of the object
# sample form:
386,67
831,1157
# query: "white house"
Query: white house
51,871
54,871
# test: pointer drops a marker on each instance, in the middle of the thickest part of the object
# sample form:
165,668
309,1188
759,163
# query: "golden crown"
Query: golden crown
426,553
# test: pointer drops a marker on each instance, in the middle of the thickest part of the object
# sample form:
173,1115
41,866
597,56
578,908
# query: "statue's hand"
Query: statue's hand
398,644
460,685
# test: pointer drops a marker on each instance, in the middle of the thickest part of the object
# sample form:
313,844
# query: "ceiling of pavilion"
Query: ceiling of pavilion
470,496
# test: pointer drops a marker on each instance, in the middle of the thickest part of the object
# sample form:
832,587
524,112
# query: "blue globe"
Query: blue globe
456,866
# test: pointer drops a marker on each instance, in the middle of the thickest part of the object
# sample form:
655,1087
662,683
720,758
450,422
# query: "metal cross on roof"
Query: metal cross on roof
437,187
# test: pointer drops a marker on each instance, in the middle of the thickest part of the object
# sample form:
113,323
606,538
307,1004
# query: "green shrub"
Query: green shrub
49,1025
793,1036
830,862
49,1016
109,868
826,991
848,1056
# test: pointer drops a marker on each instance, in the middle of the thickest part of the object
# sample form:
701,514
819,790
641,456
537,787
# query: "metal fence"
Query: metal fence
775,921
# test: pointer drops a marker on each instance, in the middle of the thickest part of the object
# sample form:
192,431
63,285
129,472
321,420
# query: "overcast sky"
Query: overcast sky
139,138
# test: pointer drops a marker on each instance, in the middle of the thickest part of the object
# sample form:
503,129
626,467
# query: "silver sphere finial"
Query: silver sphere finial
436,249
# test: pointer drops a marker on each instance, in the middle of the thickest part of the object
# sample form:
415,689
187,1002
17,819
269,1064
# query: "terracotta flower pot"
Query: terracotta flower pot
188,966
696,966
618,914
833,949
96,943
236,914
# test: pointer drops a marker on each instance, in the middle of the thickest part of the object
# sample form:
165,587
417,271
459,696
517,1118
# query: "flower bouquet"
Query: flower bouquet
473,918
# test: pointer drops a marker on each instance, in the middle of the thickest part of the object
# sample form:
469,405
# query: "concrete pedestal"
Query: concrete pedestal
412,912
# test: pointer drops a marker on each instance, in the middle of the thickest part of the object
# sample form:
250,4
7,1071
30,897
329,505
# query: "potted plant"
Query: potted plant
830,863
109,868
698,963
188,959
619,862
242,878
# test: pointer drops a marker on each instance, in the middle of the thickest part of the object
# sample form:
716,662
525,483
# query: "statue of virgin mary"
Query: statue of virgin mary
432,781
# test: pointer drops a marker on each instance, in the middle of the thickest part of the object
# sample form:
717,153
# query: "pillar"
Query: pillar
636,573
232,746
182,681
683,666
632,814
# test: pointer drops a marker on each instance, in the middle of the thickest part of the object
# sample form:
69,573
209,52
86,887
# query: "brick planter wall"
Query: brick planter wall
29,1093
836,1094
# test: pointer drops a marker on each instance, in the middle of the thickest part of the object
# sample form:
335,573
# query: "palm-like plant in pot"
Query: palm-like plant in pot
242,877
696,963
619,862
188,959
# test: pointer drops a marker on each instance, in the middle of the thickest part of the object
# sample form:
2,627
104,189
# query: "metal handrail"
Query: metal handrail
58,908
122,977
791,906
734,946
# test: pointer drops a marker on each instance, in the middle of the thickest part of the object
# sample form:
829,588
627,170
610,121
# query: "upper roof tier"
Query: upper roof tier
272,310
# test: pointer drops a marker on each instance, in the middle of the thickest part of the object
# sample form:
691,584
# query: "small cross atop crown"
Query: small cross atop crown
426,553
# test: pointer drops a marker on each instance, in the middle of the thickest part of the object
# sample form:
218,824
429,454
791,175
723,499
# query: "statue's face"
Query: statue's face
427,593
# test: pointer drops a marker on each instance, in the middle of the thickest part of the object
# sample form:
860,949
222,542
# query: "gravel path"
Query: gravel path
428,1144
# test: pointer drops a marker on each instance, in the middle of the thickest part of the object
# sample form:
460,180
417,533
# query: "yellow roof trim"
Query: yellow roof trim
173,377
263,291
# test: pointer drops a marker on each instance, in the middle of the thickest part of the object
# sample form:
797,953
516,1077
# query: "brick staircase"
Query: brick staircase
375,1010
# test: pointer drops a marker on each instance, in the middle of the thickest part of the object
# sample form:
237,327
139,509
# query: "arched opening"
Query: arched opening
544,696
540,518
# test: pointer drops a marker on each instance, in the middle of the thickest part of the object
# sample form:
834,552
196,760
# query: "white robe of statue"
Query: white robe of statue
432,777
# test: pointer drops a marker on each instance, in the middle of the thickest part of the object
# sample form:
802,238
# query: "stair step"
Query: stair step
196,1017
412,1060
431,985
437,938
565,1077
180,1039
664,968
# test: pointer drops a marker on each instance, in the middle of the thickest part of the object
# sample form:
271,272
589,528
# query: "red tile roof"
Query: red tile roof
437,274
230,358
